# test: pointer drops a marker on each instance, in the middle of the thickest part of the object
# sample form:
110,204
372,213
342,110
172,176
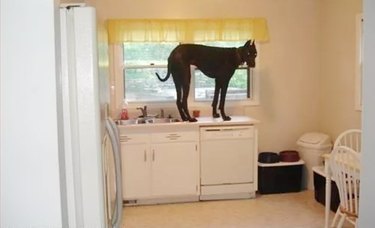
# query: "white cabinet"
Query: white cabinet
160,165
136,165
175,169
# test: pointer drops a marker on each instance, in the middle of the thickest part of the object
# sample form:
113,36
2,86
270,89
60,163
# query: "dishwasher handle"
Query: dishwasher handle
225,129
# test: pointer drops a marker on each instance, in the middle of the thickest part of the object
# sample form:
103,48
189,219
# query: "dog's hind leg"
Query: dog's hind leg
224,88
215,100
185,95
179,102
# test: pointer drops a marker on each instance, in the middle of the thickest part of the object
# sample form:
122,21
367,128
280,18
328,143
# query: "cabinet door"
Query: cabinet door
175,169
227,161
136,176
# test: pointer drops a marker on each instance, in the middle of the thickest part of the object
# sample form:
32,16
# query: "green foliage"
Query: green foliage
147,53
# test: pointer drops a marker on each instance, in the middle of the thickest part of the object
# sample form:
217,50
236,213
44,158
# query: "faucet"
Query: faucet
143,110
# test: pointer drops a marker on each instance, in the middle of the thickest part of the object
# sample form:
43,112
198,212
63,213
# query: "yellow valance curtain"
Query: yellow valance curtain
186,30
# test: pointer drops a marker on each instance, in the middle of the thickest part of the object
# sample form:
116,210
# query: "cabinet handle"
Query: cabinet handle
153,155
145,156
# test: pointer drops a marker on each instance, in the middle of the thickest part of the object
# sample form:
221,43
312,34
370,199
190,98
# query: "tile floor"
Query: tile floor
289,210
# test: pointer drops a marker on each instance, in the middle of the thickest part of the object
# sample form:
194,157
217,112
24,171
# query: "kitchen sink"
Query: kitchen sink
148,120
162,120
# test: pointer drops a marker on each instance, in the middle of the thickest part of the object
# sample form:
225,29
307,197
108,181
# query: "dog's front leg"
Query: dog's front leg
215,100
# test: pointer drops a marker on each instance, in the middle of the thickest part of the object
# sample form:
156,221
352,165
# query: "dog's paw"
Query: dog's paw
226,118
193,120
216,115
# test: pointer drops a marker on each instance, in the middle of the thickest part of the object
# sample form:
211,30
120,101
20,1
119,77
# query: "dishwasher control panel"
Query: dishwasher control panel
227,132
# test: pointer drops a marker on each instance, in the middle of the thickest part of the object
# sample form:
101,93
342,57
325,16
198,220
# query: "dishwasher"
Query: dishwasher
228,162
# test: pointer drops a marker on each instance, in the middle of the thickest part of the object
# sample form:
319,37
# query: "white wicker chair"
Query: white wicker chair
350,138
345,167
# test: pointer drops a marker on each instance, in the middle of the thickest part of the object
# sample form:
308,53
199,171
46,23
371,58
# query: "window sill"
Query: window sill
169,104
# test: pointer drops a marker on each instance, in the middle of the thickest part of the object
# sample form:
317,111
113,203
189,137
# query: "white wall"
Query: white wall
337,41
30,177
288,82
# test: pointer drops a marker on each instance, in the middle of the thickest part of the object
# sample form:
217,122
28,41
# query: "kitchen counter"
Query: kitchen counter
236,120
183,126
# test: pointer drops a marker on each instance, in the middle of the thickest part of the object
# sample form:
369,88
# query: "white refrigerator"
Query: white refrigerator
90,137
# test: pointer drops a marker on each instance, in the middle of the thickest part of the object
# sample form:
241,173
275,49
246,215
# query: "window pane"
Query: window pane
237,89
141,61
223,43
141,84
146,53
238,85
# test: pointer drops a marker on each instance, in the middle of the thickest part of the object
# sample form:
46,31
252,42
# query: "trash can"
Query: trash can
311,147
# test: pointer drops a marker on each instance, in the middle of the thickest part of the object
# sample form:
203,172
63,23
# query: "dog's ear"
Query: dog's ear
247,44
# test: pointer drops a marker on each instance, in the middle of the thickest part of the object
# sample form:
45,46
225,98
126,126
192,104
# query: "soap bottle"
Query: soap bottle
124,111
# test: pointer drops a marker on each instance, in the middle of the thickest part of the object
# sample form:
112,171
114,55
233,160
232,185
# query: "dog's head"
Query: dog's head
249,53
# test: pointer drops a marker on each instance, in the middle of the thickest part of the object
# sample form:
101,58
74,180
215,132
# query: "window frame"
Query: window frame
358,62
119,91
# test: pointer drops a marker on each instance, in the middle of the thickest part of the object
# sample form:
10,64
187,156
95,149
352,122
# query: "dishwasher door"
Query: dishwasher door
227,155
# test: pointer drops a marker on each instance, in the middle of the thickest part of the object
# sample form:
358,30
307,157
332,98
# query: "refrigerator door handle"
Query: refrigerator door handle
114,137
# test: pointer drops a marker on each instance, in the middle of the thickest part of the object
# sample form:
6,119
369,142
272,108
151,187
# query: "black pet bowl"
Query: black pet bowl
268,157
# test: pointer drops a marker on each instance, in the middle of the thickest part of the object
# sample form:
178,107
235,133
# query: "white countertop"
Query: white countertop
236,120
178,126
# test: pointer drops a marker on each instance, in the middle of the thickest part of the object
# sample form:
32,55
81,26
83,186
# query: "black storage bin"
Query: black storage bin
280,177
320,188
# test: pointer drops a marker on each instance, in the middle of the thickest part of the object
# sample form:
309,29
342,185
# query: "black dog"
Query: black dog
215,62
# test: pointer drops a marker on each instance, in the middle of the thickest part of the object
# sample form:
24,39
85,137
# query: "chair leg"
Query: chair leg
333,224
342,219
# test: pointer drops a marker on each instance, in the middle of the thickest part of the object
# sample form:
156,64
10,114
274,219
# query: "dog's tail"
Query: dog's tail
166,77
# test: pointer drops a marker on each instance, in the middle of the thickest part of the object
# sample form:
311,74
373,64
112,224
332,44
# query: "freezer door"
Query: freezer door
83,127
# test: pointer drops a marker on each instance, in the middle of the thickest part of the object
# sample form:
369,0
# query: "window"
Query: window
358,62
133,75
143,59
238,89
239,86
